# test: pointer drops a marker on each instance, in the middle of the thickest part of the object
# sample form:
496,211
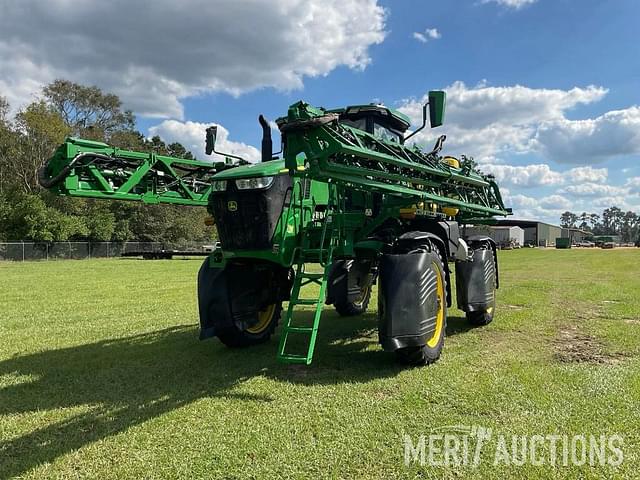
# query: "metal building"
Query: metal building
539,234
503,235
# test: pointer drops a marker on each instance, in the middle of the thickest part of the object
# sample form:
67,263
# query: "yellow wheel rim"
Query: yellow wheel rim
433,341
264,319
362,296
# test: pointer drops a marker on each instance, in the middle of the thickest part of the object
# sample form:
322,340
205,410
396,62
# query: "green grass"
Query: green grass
102,376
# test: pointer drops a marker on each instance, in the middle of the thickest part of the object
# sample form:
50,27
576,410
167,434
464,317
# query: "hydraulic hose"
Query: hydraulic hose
50,182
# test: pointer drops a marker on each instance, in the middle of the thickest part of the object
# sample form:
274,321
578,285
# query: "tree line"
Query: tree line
29,138
612,221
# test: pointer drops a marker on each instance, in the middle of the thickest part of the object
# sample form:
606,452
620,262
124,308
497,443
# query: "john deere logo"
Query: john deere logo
232,206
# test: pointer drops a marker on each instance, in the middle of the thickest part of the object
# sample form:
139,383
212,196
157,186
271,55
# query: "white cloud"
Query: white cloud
594,190
192,136
153,53
588,174
429,33
616,133
485,121
534,175
547,208
555,202
515,4
633,184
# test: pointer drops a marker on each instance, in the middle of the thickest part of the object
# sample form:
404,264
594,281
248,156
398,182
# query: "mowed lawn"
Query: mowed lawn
102,375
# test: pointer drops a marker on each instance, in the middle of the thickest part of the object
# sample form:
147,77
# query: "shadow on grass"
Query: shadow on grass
125,382
458,325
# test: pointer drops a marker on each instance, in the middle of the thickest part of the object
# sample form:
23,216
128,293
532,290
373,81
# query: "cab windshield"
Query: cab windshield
386,134
379,130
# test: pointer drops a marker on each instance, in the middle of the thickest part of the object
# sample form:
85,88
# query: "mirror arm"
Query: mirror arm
211,145
424,123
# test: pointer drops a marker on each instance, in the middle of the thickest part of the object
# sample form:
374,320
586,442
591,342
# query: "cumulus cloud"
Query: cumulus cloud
515,4
633,184
152,53
595,190
485,121
616,133
546,208
429,33
192,136
534,175
588,174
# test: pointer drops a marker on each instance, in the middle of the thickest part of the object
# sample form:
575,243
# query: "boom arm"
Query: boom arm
323,148
84,168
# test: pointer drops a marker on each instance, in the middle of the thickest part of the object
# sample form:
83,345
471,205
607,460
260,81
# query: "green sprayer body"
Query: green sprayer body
346,193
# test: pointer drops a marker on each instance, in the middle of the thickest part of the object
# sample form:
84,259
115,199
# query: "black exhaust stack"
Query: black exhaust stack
267,144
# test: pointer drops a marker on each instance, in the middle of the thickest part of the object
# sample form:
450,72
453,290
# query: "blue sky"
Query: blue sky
543,93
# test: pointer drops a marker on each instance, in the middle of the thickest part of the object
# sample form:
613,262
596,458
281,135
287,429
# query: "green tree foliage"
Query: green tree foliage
89,112
613,221
27,217
27,212
568,220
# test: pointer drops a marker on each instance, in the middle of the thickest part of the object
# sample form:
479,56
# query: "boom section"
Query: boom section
84,168
323,148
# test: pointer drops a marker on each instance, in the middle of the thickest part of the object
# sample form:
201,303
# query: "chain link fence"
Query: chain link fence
24,251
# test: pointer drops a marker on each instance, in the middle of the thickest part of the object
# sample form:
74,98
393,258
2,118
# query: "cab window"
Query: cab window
385,133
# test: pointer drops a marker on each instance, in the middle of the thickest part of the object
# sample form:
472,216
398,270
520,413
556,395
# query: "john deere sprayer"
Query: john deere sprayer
348,205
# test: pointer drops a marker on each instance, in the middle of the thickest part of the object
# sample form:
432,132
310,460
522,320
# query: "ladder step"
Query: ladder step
300,329
305,301
294,359
312,276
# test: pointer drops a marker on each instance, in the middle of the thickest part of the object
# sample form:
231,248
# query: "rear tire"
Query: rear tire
430,352
257,334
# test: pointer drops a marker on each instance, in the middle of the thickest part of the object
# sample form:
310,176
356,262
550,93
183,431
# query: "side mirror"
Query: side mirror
437,100
212,133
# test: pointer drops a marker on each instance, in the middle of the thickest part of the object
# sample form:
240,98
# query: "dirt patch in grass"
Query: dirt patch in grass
574,346
512,307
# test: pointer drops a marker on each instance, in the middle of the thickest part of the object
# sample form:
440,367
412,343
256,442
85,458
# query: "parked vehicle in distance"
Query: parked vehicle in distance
608,245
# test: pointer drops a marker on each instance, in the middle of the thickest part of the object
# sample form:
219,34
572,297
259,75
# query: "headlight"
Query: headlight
219,185
254,183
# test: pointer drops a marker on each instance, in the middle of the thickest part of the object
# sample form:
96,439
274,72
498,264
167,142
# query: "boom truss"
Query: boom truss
84,168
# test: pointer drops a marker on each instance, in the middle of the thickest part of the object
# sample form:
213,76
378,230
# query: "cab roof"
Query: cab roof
396,120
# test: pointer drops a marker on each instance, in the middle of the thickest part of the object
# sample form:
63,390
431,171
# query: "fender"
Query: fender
442,248
475,241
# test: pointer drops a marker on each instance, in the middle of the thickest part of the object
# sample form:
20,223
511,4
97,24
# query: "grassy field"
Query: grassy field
102,376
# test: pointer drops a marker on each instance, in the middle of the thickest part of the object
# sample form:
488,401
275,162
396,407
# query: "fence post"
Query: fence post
47,254
23,250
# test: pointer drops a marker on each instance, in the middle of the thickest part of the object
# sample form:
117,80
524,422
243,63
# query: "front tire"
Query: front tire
358,306
259,333
430,352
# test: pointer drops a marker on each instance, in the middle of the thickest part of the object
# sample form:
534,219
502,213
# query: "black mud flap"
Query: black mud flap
213,303
230,298
476,281
408,303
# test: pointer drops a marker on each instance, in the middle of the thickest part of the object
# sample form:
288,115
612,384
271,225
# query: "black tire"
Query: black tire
430,352
480,318
358,307
236,338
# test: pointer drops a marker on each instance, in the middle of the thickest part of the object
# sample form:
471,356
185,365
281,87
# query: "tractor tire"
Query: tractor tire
480,318
357,307
430,352
259,333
